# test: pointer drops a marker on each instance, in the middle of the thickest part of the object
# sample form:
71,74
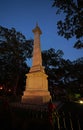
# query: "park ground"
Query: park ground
14,118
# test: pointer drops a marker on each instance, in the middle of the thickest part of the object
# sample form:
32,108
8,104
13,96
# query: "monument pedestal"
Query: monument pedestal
36,97
36,88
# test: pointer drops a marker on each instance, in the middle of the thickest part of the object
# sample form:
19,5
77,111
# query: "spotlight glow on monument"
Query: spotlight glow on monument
36,83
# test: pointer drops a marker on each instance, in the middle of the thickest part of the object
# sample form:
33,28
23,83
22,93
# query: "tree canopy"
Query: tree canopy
14,50
72,24
63,74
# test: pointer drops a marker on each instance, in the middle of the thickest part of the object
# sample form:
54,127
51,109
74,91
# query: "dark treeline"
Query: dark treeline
64,76
14,51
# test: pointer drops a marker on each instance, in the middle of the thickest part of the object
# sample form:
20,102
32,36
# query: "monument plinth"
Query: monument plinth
36,83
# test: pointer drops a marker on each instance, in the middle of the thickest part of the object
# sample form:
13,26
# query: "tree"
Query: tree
72,24
52,63
78,74
63,74
14,50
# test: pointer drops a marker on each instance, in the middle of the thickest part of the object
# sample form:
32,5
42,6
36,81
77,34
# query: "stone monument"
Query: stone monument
36,82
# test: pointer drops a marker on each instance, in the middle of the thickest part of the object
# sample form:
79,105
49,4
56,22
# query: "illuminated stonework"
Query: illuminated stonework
36,83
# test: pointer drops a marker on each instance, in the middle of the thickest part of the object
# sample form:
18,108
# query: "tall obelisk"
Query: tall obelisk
36,83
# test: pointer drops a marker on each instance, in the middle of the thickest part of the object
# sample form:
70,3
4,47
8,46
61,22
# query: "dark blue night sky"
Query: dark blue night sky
23,15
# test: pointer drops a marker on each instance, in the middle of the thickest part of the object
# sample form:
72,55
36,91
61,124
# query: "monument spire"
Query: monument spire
36,23
37,59
37,56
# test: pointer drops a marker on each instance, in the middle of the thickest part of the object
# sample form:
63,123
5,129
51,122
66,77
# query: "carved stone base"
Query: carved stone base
36,87
36,97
